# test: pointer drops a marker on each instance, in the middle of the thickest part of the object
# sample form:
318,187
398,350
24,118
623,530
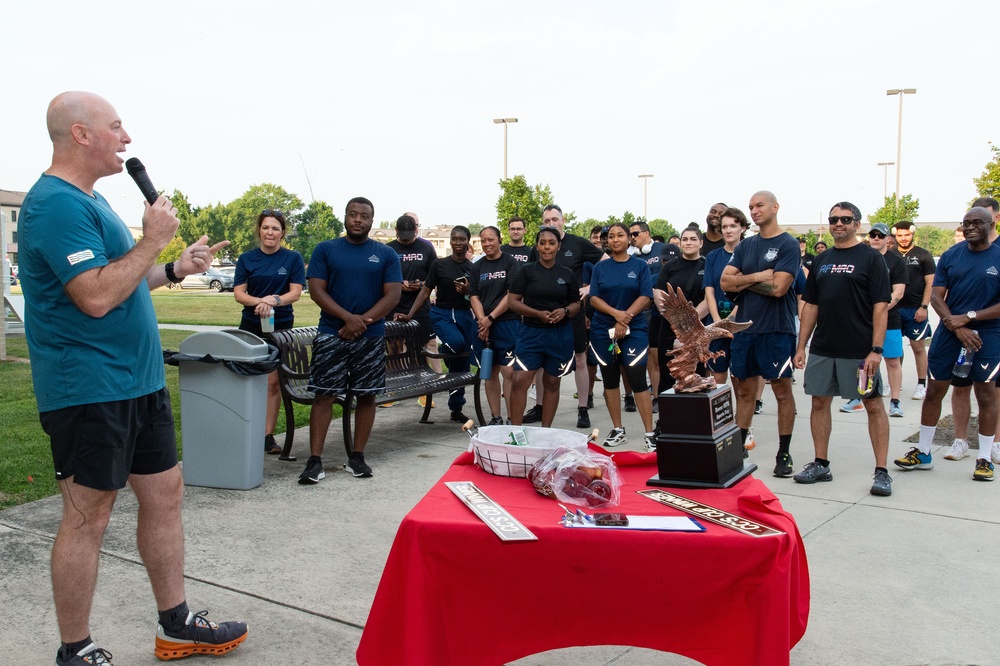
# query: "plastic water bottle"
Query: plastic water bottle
486,363
963,366
865,383
267,323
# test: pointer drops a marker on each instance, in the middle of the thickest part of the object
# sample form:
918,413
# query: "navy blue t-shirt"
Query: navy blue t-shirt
755,254
716,262
619,283
972,280
545,289
491,280
266,274
355,277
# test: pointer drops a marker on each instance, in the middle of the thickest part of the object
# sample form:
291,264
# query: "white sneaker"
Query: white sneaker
920,393
995,453
959,449
616,437
650,443
751,442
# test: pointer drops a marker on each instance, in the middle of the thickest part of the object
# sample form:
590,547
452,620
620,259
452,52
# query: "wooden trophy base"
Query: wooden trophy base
699,445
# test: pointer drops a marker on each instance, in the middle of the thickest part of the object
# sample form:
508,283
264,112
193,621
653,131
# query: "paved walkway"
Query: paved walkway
901,580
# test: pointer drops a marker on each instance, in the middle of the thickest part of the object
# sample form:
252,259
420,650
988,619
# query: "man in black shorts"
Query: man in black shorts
846,301
356,282
98,377
916,299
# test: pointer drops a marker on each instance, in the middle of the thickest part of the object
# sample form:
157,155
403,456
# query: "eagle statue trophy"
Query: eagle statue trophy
693,339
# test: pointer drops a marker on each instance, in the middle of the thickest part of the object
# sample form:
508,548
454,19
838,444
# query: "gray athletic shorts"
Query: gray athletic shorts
339,365
826,376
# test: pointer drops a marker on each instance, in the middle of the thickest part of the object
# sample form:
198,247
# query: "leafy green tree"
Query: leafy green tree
988,184
519,198
475,228
172,252
934,239
240,216
893,211
660,227
316,223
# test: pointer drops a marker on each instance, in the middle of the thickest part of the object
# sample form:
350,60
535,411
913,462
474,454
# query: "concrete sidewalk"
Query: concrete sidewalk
900,580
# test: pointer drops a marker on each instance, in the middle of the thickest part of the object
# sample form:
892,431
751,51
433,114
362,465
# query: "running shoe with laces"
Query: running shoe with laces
984,470
313,473
751,441
199,636
882,485
995,453
533,415
496,420
920,392
357,466
813,472
582,418
91,655
649,442
783,466
758,407
914,459
895,409
959,449
630,403
853,405
616,437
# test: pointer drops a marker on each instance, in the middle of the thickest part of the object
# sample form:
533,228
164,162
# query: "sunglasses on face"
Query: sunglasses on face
843,219
876,234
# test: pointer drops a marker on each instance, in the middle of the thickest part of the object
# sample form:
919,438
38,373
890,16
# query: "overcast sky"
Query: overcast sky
395,101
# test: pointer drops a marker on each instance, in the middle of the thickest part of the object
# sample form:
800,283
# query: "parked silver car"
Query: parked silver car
213,278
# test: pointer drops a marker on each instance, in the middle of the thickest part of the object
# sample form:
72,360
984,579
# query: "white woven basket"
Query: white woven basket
496,456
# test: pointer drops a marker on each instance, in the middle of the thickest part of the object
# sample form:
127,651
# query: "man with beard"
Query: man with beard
845,304
763,269
356,282
966,296
916,299
712,238
516,247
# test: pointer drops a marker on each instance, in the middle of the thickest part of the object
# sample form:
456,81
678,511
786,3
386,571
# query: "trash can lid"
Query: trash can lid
229,344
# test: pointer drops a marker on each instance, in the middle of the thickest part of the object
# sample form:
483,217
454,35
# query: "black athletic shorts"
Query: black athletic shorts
340,365
102,443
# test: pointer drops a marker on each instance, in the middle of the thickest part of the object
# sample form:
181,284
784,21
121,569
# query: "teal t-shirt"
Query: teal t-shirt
77,359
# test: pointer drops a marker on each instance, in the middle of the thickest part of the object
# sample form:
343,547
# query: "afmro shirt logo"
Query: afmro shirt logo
836,268
498,275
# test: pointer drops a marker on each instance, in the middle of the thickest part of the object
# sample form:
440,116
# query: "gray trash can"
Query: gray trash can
222,413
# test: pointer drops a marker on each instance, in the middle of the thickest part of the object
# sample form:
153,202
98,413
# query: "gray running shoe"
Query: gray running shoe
813,472
90,655
883,484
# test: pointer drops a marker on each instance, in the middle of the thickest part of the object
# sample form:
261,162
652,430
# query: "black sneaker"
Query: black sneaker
783,466
582,418
358,467
313,472
496,420
590,401
199,636
270,445
91,655
459,416
630,403
758,407
533,415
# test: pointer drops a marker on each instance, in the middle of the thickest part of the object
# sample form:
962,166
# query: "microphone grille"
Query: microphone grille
133,165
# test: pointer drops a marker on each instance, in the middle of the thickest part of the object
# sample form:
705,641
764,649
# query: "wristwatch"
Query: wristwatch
168,268
923,307
490,317
971,314
876,349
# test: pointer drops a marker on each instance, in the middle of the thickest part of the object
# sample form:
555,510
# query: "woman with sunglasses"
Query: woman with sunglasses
268,280
620,292
547,296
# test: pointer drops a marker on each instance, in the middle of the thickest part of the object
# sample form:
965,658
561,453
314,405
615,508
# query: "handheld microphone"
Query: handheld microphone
136,169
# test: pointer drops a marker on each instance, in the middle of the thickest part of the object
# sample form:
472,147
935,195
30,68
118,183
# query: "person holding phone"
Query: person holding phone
451,314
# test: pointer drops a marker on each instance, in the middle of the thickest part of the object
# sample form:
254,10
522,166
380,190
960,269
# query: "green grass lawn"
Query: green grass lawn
25,460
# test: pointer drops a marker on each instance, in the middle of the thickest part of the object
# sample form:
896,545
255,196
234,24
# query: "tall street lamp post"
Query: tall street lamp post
504,122
645,184
899,131
885,178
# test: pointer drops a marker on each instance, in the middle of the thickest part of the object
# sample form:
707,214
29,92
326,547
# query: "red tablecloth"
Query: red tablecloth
453,593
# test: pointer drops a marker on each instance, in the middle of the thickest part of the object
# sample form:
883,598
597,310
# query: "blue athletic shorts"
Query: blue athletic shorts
503,334
634,348
767,355
893,345
913,329
945,349
548,348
